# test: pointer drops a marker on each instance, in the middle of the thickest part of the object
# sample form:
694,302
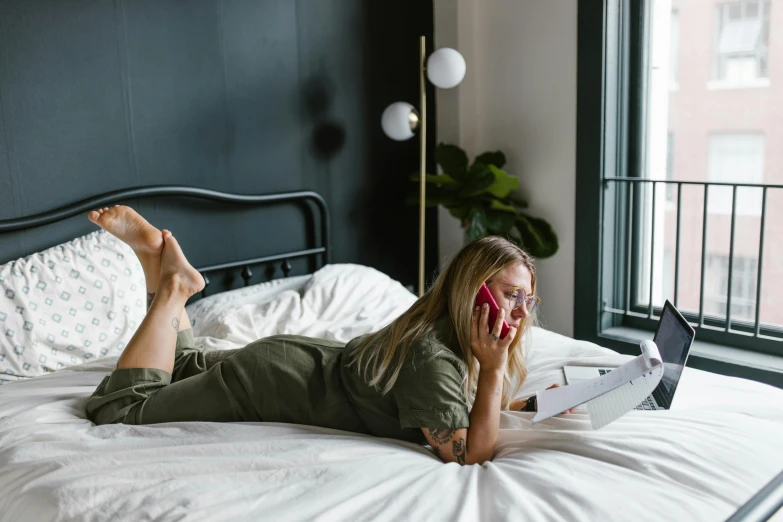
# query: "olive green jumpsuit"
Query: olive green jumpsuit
292,379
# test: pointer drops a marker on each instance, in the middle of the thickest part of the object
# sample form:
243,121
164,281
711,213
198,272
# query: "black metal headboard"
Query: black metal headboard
172,191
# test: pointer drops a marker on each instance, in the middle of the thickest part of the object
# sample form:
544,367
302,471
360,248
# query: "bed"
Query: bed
699,461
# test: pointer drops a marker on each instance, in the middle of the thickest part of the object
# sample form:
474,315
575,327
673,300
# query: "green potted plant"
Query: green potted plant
481,196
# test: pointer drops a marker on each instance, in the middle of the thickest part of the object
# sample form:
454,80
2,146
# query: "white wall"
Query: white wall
519,96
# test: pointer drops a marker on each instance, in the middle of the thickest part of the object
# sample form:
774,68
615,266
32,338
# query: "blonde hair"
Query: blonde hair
380,356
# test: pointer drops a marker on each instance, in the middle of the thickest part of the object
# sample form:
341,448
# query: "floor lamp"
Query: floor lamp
445,68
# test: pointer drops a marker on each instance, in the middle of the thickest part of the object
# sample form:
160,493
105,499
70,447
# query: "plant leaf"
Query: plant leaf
476,184
496,204
497,158
435,179
478,169
503,183
500,223
440,179
460,212
477,225
452,160
538,237
520,202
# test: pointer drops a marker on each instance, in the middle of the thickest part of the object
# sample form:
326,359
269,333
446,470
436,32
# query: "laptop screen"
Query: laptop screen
673,340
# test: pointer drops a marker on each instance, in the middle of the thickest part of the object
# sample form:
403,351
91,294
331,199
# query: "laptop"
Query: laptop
674,338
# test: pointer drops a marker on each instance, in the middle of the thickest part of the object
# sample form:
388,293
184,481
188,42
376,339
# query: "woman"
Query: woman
436,374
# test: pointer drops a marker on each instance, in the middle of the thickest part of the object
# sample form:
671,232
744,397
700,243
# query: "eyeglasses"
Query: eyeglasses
518,297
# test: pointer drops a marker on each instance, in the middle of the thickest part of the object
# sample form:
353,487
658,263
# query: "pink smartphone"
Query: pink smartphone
485,296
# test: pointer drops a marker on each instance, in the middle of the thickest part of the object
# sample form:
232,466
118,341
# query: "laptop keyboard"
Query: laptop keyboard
646,404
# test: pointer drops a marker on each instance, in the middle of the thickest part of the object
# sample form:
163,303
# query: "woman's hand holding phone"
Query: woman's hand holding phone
490,350
484,296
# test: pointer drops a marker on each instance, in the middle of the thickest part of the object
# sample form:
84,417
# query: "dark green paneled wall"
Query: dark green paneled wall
250,96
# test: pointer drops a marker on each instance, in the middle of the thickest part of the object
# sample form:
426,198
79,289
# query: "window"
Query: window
741,41
674,50
668,272
743,287
670,187
639,239
735,158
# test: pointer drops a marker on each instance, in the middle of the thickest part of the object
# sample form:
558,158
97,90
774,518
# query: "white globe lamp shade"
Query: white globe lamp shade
446,68
399,120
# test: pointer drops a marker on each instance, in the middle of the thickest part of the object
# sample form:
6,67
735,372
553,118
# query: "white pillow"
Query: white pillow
339,302
67,305
209,309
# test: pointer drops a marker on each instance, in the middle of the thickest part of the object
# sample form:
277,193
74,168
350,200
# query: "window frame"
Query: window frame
610,138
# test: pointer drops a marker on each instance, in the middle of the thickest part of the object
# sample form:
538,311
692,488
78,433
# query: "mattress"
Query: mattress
700,460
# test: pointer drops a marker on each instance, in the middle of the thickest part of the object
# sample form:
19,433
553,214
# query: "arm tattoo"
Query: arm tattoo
441,436
175,323
497,393
150,297
459,449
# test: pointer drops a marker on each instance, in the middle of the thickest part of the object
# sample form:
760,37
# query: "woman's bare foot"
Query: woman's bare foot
176,274
129,227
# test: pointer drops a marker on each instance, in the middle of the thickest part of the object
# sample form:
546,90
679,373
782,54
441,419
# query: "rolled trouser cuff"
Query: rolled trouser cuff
185,339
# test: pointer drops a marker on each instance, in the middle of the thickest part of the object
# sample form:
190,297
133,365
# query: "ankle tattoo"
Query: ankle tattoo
175,323
150,297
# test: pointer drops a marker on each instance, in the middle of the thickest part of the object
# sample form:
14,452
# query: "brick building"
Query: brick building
719,113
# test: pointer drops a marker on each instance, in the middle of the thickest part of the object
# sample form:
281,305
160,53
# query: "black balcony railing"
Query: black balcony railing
765,333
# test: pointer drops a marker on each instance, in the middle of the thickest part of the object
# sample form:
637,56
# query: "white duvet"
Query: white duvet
699,461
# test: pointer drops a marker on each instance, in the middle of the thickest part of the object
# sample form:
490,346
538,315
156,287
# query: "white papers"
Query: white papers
609,396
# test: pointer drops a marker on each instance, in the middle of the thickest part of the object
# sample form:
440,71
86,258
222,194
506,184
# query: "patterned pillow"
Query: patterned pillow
69,304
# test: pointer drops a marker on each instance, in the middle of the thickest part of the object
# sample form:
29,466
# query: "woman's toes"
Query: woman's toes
127,225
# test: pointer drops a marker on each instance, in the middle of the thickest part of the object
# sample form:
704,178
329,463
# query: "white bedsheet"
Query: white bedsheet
699,461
